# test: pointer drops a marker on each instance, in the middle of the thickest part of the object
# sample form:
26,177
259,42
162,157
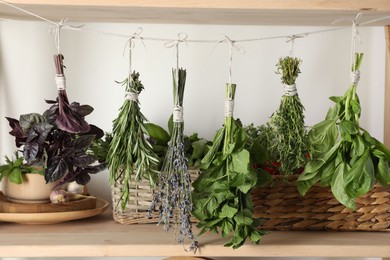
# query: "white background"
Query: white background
94,61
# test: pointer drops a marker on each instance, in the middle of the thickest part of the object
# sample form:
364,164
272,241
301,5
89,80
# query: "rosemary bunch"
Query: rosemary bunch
289,143
174,182
222,193
130,153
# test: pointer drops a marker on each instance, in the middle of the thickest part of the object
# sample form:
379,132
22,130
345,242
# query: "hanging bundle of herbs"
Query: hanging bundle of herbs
222,193
289,137
70,118
130,153
174,182
344,155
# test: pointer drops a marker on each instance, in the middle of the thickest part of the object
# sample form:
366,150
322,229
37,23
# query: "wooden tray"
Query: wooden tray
54,217
7,206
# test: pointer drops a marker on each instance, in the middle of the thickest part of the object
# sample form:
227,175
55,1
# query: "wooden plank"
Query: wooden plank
387,89
261,12
101,236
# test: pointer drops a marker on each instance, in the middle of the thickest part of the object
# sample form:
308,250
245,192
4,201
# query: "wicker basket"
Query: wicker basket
283,208
141,195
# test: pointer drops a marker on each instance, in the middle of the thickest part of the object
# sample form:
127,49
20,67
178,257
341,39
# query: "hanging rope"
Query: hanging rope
80,29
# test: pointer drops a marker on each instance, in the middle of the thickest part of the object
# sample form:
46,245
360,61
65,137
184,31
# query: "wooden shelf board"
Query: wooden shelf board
251,12
101,236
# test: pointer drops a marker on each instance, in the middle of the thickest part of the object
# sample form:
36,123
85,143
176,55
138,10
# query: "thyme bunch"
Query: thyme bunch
289,144
174,184
130,153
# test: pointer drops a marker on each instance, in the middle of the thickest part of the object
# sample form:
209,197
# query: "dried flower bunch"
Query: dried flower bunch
174,183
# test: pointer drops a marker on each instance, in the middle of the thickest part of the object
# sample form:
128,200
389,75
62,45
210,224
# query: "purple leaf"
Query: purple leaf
17,132
83,110
57,168
82,160
82,142
30,152
96,131
83,178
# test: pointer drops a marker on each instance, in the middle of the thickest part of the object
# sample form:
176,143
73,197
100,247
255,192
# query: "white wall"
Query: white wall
95,61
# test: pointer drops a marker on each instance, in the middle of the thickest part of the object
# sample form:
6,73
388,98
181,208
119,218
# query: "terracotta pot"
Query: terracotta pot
33,189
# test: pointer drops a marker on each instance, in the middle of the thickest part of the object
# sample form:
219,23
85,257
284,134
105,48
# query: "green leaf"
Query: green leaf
358,146
243,218
338,186
347,128
255,236
360,178
304,184
336,99
157,133
312,173
258,152
333,112
323,135
15,176
199,148
209,157
240,139
356,108
212,205
170,124
382,174
227,212
226,227
240,162
328,172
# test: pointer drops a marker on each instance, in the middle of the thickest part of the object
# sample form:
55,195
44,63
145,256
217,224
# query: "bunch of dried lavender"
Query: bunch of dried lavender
174,184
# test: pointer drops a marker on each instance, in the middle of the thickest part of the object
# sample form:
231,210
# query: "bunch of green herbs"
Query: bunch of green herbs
222,193
289,138
130,155
344,156
14,168
174,183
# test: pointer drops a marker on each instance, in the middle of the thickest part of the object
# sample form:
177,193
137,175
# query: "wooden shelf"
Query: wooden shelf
101,236
255,12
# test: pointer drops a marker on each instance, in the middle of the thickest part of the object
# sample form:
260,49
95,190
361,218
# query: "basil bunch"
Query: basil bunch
344,155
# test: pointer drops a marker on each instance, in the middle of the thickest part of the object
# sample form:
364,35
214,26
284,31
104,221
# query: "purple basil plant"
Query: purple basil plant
64,155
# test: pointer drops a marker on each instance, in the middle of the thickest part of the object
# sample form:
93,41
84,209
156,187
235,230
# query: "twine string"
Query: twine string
229,107
355,37
130,44
178,114
355,74
290,90
60,81
80,29
291,39
181,38
131,96
56,31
